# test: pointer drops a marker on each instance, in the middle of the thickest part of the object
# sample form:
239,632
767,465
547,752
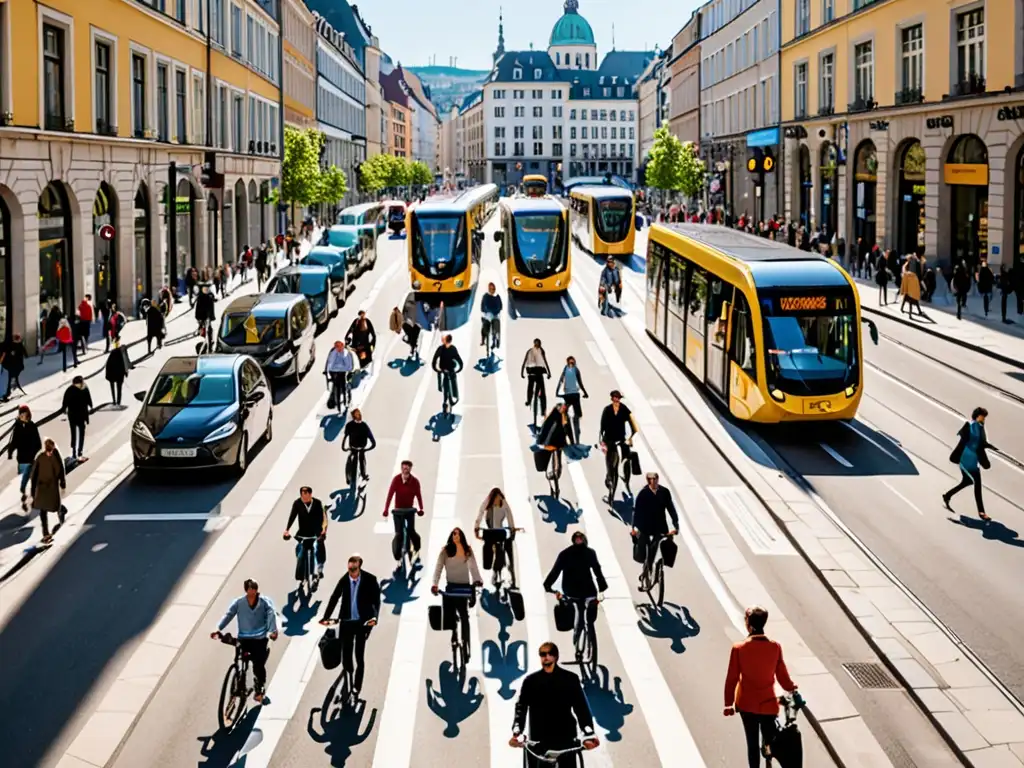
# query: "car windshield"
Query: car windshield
439,244
540,244
244,329
192,389
535,188
613,218
342,238
347,219
301,282
811,354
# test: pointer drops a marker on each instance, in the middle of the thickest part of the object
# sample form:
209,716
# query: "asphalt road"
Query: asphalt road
100,600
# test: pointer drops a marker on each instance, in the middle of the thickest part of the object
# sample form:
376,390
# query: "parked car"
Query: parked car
363,256
203,411
367,213
277,329
336,261
395,215
312,282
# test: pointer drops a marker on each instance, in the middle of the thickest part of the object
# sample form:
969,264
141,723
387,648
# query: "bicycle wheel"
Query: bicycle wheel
350,471
659,585
231,705
344,690
611,479
591,656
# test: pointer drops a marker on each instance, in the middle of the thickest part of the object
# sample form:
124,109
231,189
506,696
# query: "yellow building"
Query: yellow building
299,40
904,124
102,101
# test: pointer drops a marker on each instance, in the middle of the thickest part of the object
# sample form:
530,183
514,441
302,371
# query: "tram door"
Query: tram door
718,306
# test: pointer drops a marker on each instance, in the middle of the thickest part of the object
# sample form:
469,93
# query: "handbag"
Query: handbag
515,602
639,549
541,459
565,616
669,551
330,649
634,463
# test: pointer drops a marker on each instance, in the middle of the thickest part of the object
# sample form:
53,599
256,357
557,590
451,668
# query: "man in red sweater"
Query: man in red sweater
405,490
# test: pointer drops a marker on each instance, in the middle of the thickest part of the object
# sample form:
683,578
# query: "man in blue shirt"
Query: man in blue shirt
338,369
256,622
359,593
490,308
611,281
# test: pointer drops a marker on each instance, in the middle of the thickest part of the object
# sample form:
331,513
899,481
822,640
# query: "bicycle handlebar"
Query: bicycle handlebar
551,755
403,511
458,591
584,600
335,622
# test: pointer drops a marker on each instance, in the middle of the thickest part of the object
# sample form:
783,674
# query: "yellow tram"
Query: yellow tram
771,331
535,185
603,220
446,238
534,244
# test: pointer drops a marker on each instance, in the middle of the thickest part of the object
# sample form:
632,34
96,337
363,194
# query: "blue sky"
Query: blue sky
411,31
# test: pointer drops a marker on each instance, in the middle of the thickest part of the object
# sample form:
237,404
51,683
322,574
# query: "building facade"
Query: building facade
739,102
299,37
472,128
446,160
396,99
110,110
377,117
341,104
905,124
653,107
425,124
684,76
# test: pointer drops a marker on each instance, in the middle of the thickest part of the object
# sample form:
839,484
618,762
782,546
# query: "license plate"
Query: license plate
819,406
178,453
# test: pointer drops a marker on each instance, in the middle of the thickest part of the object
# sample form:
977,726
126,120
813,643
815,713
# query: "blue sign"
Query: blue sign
995,250
766,137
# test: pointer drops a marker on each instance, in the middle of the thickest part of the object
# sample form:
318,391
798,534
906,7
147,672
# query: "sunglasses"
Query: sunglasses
544,654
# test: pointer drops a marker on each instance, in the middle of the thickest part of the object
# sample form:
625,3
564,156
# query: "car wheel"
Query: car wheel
242,463
269,434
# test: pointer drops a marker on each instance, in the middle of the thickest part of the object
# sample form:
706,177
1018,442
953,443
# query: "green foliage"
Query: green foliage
300,168
398,171
674,165
333,186
692,171
419,173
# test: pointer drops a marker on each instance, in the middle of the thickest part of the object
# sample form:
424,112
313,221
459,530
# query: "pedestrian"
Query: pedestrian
910,286
191,278
882,281
77,406
1005,289
841,250
569,387
206,311
927,280
12,359
358,591
116,325
116,372
53,318
155,327
103,310
961,286
362,338
48,478
261,265
86,314
66,340
985,280
971,454
754,666
26,444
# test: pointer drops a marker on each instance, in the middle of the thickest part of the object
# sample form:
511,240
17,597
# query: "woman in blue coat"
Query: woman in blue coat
971,454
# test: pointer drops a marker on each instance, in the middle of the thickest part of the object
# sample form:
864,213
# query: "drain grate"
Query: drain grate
870,676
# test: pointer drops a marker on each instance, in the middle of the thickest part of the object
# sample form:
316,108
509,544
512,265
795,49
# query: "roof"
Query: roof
262,304
201,364
596,181
343,18
356,210
619,69
603,191
572,29
303,269
533,205
471,101
529,62
458,205
391,84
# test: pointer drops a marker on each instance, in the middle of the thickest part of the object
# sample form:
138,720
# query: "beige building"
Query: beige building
299,65
652,96
377,110
684,76
472,129
447,158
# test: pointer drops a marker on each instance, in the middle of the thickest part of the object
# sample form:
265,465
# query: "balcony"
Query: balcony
861,105
908,96
826,110
972,85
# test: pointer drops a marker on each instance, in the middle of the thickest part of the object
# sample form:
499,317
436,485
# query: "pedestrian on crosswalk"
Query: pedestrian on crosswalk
14,354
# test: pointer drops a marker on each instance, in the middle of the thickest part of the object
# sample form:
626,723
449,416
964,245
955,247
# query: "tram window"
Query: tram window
655,265
677,297
696,298
744,352
720,293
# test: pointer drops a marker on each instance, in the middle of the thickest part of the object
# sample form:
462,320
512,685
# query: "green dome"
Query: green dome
572,29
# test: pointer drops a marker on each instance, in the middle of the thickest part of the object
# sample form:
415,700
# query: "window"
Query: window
517,132
912,50
538,111
803,17
250,36
54,103
156,5
518,94
538,74
236,31
138,96
179,10
217,21
572,132
517,149
499,148
538,147
556,150
517,73
827,92
556,111
104,88
163,103
180,100
499,111
801,90
584,133
538,131
864,73
519,112
198,111
238,113
537,94
970,45
828,11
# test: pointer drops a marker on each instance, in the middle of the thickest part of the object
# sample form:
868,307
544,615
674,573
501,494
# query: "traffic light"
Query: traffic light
210,177
761,161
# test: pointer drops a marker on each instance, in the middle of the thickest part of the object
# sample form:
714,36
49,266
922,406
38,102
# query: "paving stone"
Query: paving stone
892,648
877,627
999,756
936,700
960,730
915,674
873,578
998,727
826,699
855,743
839,579
961,674
175,624
935,647
984,698
855,602
101,736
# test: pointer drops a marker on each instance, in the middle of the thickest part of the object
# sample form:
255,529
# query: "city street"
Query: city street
110,628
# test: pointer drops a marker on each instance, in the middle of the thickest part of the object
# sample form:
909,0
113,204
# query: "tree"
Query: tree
332,186
674,165
398,171
300,168
691,170
375,172
419,173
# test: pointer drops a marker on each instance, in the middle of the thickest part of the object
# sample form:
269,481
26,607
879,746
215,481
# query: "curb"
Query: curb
959,342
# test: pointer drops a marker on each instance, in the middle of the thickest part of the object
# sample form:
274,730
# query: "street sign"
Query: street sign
106,233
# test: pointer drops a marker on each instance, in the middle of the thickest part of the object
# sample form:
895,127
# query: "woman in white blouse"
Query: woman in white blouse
495,513
456,559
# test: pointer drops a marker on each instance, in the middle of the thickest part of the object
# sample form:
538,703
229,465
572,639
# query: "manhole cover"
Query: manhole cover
870,675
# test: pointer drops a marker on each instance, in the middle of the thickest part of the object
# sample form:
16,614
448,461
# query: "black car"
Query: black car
312,282
275,328
203,412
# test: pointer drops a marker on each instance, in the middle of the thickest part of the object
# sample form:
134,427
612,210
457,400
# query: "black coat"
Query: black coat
552,431
649,510
25,441
965,434
14,357
154,321
550,700
77,404
575,564
117,365
367,597
205,307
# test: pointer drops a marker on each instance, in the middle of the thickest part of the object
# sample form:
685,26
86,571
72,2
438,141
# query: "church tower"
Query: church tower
500,50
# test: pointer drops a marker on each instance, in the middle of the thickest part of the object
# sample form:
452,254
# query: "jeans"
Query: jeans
535,382
961,303
358,456
883,294
24,470
572,401
44,519
353,637
986,299
339,386
969,477
115,391
77,430
64,347
752,724
159,342
258,650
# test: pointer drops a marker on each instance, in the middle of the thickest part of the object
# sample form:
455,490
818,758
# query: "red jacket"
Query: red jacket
85,311
404,494
754,665
64,335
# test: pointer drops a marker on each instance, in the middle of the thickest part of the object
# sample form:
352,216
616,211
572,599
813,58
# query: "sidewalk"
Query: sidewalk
986,335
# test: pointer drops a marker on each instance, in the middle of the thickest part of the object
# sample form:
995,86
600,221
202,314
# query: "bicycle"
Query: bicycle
584,634
551,756
345,693
496,538
490,333
613,460
307,552
554,473
235,690
652,576
447,391
406,556
538,404
339,385
460,643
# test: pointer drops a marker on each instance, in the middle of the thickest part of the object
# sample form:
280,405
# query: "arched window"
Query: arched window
969,150
968,184
56,278
865,180
910,216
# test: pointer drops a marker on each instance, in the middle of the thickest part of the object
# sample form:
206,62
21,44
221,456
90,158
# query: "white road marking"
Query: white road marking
160,517
870,440
835,455
565,306
405,680
752,521
905,500
595,353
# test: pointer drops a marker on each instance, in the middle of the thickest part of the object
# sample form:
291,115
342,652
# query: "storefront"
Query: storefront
255,216
142,240
828,209
105,241
1018,213
6,279
185,214
865,191
806,185
966,174
241,207
56,268
910,198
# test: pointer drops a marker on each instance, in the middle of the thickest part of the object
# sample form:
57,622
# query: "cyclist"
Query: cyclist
447,362
458,562
256,622
405,490
649,508
496,513
577,564
490,308
535,365
362,337
338,369
611,281
614,418
312,518
571,386
359,594
554,434
356,437
553,700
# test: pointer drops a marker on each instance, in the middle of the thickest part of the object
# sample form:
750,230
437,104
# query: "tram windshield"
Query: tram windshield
439,244
540,244
613,218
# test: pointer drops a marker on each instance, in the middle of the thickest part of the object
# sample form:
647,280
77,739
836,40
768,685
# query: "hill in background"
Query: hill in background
449,85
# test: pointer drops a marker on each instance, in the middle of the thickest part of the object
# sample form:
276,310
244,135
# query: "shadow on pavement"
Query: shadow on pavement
297,612
451,700
406,366
341,727
501,658
607,702
442,425
332,425
347,506
670,622
102,595
992,530
541,306
559,513
397,590
488,365
219,750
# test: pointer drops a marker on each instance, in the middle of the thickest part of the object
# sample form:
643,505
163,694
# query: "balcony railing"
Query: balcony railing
825,110
909,96
861,105
800,113
970,86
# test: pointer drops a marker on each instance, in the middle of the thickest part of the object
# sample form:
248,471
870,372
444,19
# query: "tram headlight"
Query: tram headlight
459,283
517,282
851,390
778,395
416,285
558,283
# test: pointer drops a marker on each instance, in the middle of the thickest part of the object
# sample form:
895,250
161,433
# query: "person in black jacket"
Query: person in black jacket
77,406
649,508
25,441
577,564
154,327
312,518
447,360
117,371
1005,289
359,594
12,358
206,311
553,701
